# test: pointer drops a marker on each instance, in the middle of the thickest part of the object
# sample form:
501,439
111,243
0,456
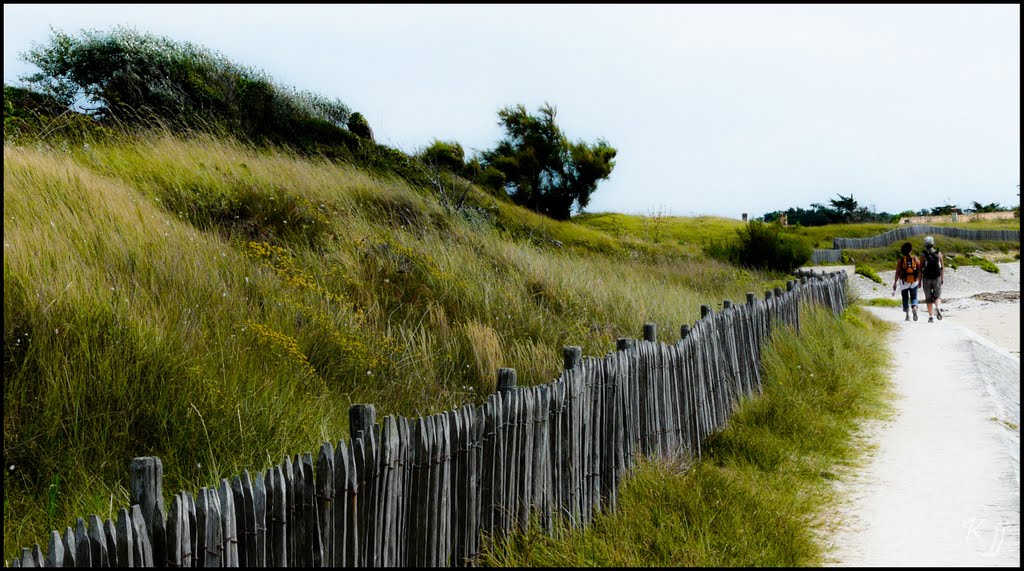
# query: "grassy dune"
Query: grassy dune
221,306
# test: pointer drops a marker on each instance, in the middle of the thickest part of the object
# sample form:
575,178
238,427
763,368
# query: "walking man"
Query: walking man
933,270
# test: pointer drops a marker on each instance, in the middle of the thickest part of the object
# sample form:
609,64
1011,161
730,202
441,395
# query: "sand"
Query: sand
941,485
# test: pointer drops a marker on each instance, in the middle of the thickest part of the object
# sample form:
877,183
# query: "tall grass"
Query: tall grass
760,494
220,306
686,234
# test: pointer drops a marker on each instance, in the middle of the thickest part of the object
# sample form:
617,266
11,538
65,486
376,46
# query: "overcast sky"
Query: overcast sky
714,109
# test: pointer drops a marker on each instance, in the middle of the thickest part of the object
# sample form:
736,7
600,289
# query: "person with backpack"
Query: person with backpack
933,271
908,275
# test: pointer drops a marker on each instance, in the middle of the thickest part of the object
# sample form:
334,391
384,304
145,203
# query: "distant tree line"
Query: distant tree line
129,79
845,210
842,210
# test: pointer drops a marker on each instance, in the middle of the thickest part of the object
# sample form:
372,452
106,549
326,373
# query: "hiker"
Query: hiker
933,270
908,274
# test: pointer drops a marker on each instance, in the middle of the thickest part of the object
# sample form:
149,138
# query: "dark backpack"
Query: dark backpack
932,264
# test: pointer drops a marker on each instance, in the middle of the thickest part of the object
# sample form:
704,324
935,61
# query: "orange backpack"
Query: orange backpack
908,268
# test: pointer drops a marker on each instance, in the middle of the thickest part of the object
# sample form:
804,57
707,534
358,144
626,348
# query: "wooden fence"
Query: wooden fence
425,491
907,232
826,256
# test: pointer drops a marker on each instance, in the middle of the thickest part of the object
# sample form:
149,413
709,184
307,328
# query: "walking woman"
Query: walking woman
908,276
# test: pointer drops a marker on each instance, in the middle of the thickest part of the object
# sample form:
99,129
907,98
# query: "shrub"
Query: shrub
764,246
444,154
722,250
867,272
988,266
360,126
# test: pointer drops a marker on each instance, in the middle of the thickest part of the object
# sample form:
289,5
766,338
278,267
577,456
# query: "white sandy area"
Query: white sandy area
941,485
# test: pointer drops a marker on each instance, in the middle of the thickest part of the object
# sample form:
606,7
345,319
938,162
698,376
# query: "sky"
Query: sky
717,109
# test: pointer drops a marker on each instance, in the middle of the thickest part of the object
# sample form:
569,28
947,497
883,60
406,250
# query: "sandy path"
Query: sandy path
942,487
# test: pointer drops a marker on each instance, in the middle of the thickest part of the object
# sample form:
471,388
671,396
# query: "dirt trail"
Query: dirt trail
942,486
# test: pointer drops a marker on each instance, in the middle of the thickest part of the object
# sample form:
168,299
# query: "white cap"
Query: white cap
929,241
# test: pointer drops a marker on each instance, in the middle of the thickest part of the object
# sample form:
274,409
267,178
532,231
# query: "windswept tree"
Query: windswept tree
132,77
845,205
990,207
541,168
943,210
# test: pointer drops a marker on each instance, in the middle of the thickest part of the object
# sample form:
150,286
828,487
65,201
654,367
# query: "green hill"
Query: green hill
220,306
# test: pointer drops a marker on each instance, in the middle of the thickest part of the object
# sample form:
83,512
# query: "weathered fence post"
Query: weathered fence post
684,330
174,535
146,476
571,356
325,502
651,332
55,552
726,304
83,546
98,543
361,418
71,549
506,380
705,310
125,542
229,525
623,343
750,298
